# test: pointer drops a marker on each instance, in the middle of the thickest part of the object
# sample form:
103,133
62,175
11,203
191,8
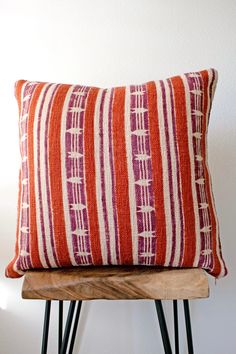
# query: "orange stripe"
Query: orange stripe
55,175
205,78
121,176
157,174
34,250
185,167
90,176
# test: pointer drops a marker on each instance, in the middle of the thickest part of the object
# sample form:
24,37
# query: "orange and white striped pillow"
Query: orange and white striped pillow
116,176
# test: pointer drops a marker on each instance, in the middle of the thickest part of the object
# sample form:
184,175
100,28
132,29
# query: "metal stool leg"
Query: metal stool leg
60,325
188,327
68,327
63,344
163,327
176,325
72,341
46,327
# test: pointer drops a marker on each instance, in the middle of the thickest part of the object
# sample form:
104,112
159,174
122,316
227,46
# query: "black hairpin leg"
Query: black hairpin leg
63,340
68,327
176,326
76,321
46,327
60,325
63,343
163,327
188,327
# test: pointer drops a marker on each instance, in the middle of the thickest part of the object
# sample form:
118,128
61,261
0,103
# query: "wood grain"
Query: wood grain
114,283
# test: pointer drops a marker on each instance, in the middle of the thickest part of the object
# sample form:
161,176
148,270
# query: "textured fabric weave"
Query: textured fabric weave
116,176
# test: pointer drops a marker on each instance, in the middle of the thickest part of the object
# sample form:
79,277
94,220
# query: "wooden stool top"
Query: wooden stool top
114,283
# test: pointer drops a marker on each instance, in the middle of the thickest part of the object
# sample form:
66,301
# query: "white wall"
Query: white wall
106,43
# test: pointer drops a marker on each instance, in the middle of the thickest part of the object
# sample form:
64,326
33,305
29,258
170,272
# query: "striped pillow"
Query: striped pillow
116,176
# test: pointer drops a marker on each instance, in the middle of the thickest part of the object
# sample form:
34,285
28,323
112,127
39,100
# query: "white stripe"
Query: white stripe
192,167
132,197
43,175
174,176
97,139
66,206
36,181
108,179
166,189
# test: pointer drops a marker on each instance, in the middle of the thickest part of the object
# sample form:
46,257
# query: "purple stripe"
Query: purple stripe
178,177
103,190
111,159
169,166
81,170
50,213
69,163
197,103
75,168
194,83
210,260
138,144
150,191
136,166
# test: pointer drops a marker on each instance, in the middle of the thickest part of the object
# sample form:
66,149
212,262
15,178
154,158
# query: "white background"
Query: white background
108,43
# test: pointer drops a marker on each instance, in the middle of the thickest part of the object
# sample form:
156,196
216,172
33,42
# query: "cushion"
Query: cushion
116,176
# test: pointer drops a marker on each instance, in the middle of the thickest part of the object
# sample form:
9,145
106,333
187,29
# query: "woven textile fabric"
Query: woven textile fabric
116,176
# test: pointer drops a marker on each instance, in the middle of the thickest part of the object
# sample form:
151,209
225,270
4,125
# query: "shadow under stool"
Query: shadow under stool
114,283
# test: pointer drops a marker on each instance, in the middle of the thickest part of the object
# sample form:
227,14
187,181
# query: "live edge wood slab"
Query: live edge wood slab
115,283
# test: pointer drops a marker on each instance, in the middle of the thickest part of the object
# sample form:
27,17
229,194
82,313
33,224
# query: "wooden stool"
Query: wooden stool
114,283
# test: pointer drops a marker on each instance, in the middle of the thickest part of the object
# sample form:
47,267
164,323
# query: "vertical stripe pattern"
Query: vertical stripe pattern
116,176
